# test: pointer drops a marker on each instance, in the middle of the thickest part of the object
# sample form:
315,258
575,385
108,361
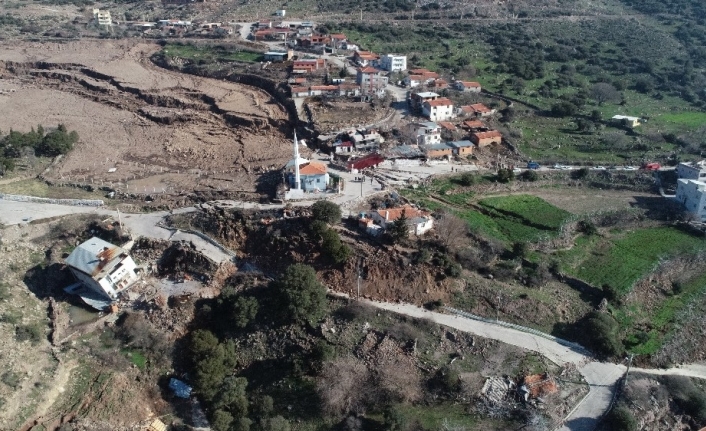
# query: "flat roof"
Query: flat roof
96,257
426,94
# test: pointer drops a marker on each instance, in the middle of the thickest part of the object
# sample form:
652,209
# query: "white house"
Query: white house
439,109
281,12
393,62
692,194
412,81
367,140
420,222
427,133
102,17
102,267
692,170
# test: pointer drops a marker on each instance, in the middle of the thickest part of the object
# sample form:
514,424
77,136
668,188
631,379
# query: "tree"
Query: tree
467,179
342,386
326,211
303,297
603,92
343,73
332,246
564,109
264,406
244,310
277,423
400,228
241,424
451,230
221,420
232,396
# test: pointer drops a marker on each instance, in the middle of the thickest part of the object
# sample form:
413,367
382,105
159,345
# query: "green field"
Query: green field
622,260
528,208
210,53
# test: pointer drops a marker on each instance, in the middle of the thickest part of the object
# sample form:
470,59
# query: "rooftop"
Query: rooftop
469,84
488,134
439,102
394,213
96,257
436,147
312,168
459,144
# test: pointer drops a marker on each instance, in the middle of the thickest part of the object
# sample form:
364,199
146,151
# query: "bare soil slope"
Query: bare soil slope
162,130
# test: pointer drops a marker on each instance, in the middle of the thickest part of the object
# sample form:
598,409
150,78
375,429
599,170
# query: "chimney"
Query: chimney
387,215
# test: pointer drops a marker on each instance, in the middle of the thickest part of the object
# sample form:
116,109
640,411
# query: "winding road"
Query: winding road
602,377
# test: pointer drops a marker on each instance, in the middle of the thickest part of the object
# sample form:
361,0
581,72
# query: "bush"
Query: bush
620,418
11,379
32,333
603,330
232,397
467,179
221,420
4,291
326,211
505,175
530,175
587,227
579,174
303,297
687,396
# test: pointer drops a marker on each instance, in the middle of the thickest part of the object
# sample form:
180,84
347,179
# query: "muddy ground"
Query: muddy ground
162,131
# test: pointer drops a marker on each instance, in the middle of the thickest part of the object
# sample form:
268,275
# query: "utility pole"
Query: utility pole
627,372
361,187
120,220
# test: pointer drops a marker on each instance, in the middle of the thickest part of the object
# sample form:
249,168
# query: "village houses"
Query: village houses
371,80
393,62
427,133
462,148
483,139
438,110
692,194
467,86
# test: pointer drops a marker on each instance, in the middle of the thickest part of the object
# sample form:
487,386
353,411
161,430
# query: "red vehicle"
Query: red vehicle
651,166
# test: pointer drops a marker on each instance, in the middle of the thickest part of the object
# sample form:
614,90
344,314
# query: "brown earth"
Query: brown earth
161,130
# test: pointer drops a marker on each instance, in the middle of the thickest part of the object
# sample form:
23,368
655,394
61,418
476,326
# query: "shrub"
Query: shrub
221,420
277,423
467,179
11,379
326,211
505,175
587,227
530,175
32,333
303,297
687,396
232,396
4,291
603,330
620,418
579,174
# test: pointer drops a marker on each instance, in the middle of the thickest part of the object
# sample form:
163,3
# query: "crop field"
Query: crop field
625,258
528,208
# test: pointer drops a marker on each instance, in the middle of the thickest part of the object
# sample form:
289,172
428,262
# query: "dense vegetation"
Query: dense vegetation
16,145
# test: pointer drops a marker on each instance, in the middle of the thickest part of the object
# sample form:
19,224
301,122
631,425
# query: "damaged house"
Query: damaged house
101,268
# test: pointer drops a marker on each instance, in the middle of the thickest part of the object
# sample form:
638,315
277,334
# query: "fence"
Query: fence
74,202
577,347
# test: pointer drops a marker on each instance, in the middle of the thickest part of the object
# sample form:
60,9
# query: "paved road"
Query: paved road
600,376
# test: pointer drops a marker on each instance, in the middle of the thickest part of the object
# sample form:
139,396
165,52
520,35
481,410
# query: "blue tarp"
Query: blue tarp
181,389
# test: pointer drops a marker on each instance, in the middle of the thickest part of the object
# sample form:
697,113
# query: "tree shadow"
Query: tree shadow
658,207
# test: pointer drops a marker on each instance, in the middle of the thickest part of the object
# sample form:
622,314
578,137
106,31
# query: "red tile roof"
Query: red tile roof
300,89
488,134
313,168
419,71
442,101
446,125
368,70
469,84
480,108
395,213
474,124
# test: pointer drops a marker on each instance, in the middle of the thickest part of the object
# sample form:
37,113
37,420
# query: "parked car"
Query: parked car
533,165
651,166
598,168
629,168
